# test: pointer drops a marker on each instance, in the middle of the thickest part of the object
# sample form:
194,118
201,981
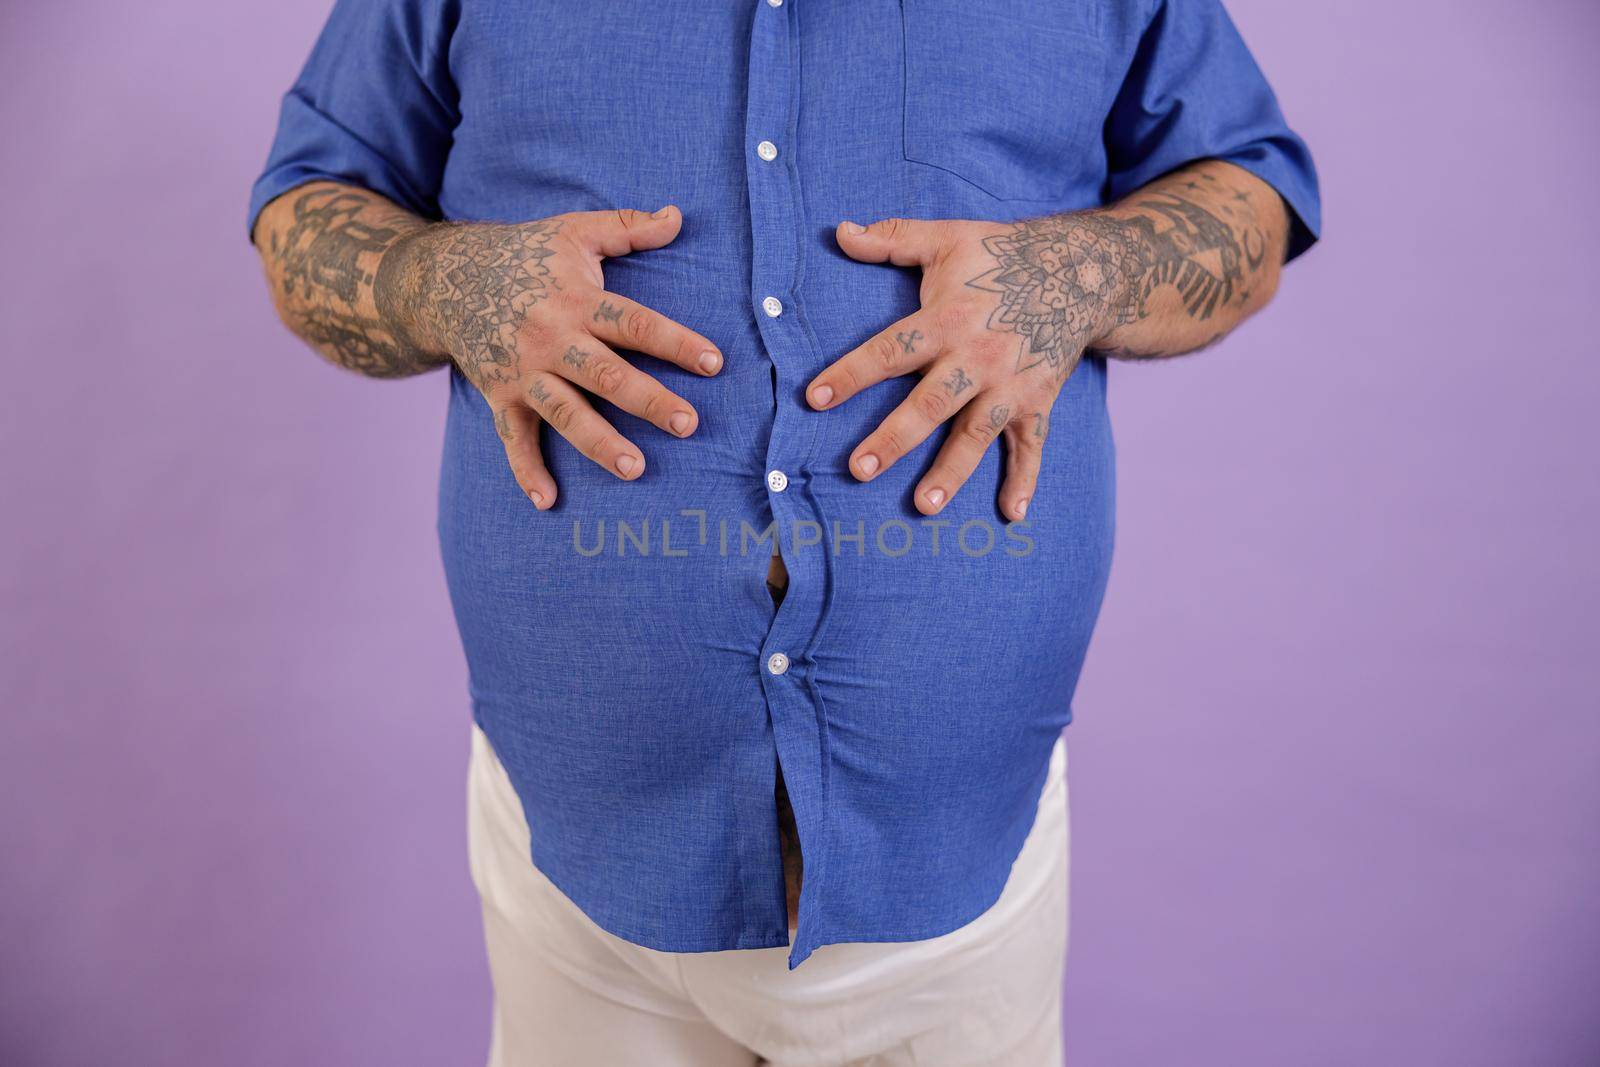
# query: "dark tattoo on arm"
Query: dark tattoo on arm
331,250
1197,253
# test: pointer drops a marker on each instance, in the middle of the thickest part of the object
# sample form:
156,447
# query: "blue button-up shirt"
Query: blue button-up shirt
626,660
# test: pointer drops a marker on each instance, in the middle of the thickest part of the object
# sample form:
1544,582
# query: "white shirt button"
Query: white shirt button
772,306
777,481
767,151
777,663
774,3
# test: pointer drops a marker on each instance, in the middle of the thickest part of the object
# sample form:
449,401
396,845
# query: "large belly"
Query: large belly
655,593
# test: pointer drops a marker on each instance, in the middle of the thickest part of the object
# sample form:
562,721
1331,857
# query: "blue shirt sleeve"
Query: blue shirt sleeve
375,106
1194,92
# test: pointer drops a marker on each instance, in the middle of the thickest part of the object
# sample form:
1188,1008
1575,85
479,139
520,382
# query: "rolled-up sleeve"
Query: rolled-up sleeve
375,106
1193,91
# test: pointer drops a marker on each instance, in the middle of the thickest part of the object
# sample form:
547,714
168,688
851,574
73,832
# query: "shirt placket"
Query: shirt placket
786,665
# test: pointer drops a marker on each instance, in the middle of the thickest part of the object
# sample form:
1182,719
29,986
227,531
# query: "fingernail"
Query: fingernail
1022,508
537,498
709,362
679,423
854,227
867,464
822,395
663,213
935,497
625,465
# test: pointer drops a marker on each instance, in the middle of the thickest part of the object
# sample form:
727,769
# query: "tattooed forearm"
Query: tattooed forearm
1167,271
387,294
321,245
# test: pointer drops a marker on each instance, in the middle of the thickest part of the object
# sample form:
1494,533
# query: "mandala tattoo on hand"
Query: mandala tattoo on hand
1058,279
470,287
1066,281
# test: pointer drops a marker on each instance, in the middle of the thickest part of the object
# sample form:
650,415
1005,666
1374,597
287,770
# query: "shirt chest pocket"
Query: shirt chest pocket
1007,95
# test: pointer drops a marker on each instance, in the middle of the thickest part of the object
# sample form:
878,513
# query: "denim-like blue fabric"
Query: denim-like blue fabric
932,662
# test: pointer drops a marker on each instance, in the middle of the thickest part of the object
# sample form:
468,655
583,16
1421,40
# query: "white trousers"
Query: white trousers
569,994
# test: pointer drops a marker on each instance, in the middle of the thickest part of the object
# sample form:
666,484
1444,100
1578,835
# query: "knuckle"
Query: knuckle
655,405
688,352
639,327
990,349
561,412
606,376
978,432
886,353
953,318
930,403
892,440
572,299
603,445
537,334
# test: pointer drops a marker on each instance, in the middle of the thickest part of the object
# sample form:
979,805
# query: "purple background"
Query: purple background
1337,763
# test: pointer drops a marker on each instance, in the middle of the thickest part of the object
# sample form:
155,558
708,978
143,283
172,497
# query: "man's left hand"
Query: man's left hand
1007,311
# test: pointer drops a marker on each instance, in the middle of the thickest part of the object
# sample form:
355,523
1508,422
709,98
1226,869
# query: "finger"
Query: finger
939,395
903,242
601,371
1025,437
623,230
900,349
570,415
627,324
970,437
518,427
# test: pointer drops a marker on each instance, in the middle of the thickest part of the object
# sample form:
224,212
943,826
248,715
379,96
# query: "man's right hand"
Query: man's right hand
523,311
